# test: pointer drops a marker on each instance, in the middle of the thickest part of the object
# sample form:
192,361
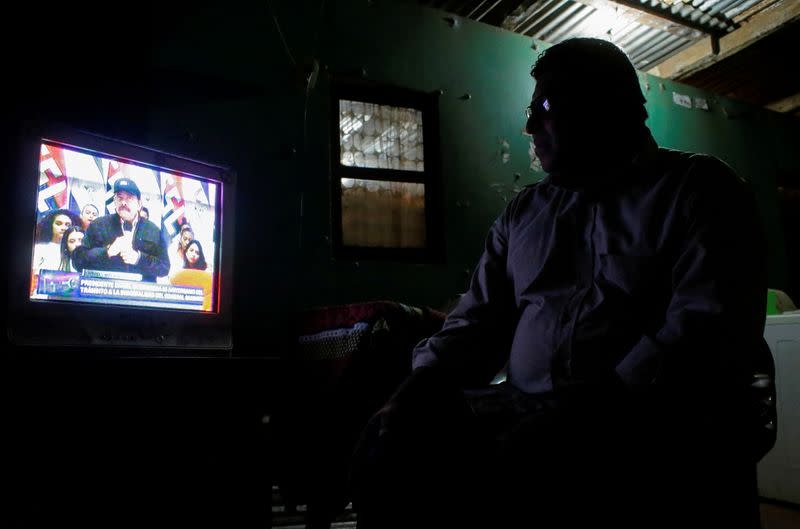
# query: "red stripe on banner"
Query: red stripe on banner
51,162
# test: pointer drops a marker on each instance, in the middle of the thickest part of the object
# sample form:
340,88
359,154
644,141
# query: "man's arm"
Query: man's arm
475,339
93,253
716,314
472,345
153,258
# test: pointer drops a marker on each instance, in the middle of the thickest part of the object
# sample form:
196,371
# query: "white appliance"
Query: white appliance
779,470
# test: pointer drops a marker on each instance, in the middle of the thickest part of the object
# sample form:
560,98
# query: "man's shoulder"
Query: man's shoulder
104,223
698,169
149,230
529,199
149,225
705,181
531,189
534,185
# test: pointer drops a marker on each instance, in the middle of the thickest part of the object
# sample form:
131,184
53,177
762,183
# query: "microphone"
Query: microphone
127,226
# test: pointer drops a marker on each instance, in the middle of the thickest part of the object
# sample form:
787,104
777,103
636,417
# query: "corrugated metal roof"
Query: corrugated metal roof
650,31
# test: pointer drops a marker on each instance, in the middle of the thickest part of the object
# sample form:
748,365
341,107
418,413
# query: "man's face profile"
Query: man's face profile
127,205
562,127
546,126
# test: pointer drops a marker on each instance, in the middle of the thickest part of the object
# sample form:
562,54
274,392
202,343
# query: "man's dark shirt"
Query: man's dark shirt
153,262
652,270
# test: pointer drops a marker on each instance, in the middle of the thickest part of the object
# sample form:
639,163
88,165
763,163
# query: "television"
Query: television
119,247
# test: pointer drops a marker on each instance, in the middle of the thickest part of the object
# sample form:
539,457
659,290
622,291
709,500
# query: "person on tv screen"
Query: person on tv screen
49,233
73,238
194,272
193,257
177,250
123,241
88,214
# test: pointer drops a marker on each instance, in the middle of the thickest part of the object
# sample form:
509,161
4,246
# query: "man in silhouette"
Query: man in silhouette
625,295
123,241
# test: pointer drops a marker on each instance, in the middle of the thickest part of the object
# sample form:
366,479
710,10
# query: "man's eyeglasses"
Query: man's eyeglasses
539,107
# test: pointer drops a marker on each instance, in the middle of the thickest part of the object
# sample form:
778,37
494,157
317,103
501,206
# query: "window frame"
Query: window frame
430,177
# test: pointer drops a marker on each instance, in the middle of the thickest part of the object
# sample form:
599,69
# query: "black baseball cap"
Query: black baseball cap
128,185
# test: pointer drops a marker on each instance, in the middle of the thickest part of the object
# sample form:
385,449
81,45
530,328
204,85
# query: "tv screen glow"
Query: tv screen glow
160,250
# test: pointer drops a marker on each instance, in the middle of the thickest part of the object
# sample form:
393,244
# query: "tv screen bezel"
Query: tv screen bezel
115,329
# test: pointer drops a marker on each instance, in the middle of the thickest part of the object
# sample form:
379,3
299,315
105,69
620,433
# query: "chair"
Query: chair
345,363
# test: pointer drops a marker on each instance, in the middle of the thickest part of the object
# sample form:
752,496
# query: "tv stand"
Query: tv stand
120,442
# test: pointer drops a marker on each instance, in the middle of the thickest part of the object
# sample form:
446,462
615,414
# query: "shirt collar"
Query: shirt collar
135,221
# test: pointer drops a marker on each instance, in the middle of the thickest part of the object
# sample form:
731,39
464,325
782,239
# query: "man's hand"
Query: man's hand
121,244
130,256
115,247
383,417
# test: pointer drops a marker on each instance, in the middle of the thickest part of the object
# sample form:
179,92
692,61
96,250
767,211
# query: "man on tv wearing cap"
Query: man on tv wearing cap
123,241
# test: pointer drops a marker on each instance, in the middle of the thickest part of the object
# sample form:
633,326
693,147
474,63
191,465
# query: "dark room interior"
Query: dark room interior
144,415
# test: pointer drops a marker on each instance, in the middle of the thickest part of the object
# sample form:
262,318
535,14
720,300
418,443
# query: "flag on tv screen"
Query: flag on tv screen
173,214
53,184
113,173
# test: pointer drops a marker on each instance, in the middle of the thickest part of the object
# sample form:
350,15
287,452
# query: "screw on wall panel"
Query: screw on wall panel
662,86
440,92
466,96
452,22
363,72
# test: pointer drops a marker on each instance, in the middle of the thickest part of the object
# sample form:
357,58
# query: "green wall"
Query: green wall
757,143
284,260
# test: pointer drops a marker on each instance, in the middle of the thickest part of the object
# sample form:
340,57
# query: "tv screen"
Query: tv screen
122,247
112,231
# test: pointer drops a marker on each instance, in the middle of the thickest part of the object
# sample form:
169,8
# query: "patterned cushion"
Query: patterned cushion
345,363
329,338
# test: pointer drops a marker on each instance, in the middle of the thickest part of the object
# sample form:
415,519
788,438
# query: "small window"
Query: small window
385,183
